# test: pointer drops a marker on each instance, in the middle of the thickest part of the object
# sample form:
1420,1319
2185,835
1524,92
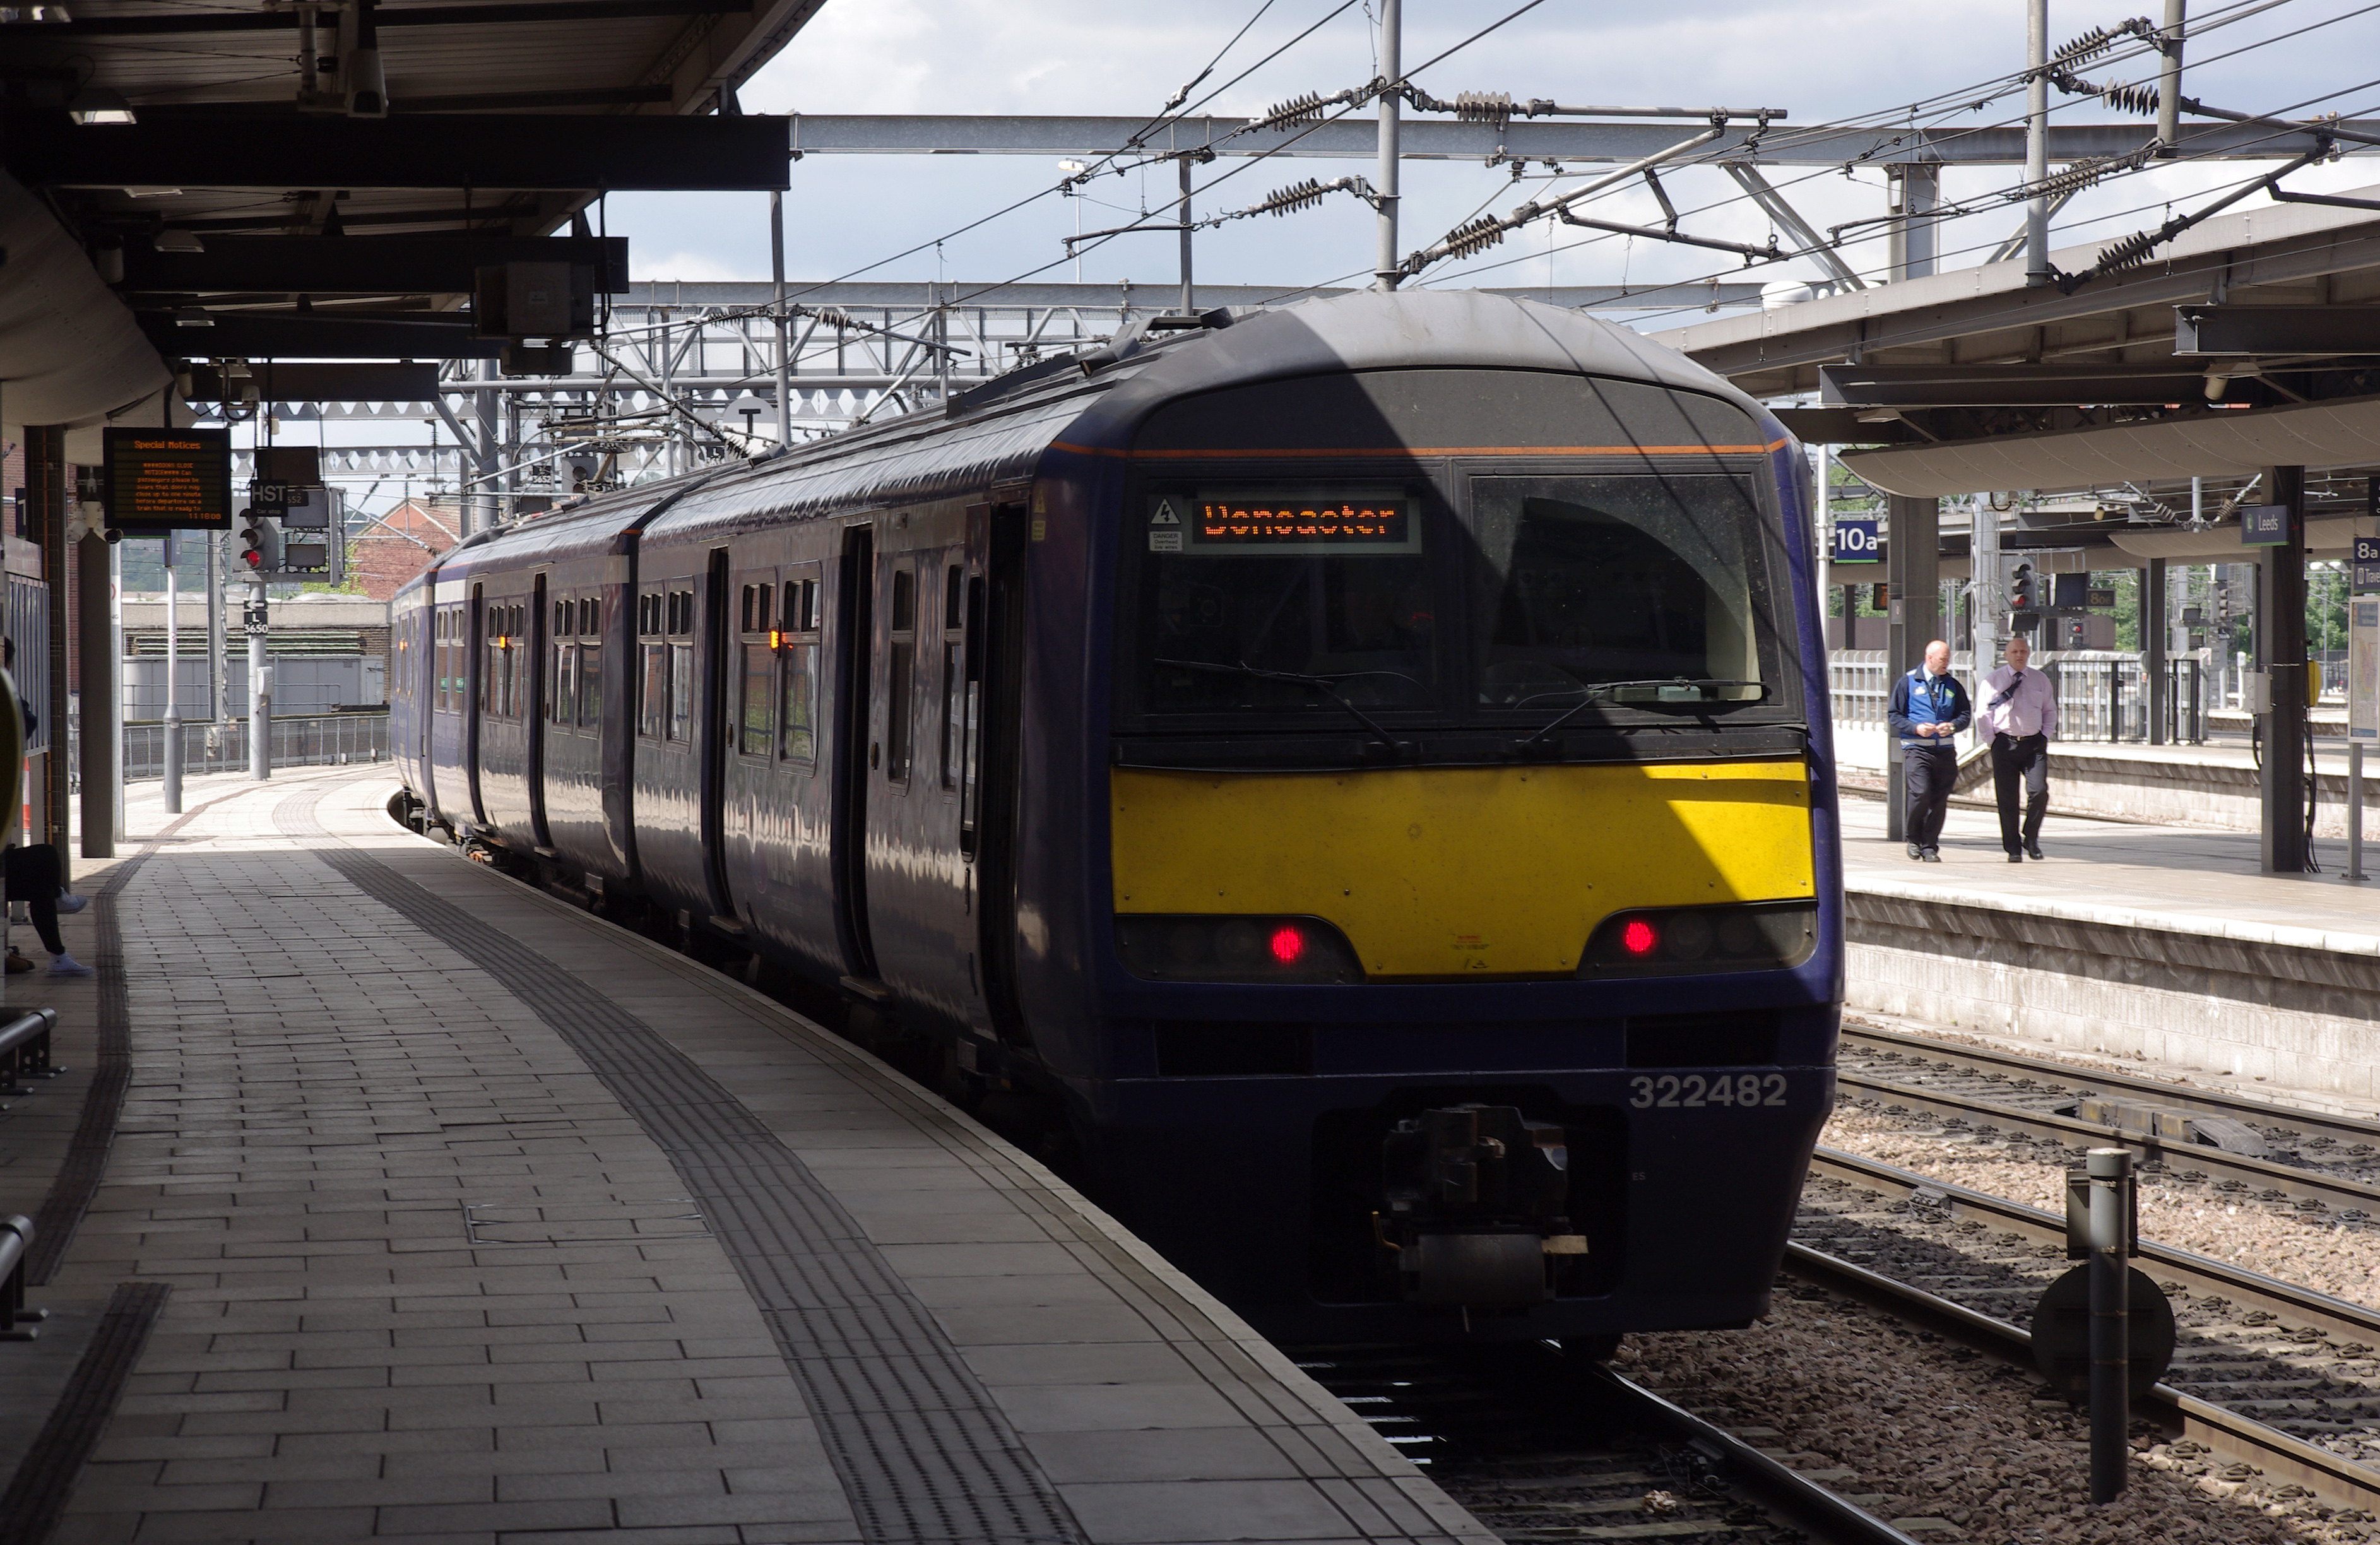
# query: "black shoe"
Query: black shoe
2033,850
1915,851
1931,857
2016,858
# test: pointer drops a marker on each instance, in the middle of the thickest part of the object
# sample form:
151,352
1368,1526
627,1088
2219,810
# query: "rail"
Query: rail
2312,1188
2233,1433
307,740
2101,694
1801,1499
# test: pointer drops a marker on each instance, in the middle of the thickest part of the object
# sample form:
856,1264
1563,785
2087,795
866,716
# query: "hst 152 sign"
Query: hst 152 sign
1855,542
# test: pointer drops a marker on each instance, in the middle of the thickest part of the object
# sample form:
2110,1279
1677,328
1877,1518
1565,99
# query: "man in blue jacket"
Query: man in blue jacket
1928,708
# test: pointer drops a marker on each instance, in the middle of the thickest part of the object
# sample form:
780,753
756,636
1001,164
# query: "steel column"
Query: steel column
45,486
1913,618
2036,142
2155,637
103,705
2280,653
1385,271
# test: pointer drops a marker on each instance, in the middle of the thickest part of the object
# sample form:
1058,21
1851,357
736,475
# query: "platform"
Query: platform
2157,943
437,1210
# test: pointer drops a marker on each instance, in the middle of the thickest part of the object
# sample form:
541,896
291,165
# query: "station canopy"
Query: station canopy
330,182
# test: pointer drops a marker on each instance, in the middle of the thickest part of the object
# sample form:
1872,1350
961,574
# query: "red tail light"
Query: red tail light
1638,937
1287,945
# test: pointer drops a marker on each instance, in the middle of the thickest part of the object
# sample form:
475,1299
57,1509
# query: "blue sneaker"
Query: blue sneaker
68,965
69,903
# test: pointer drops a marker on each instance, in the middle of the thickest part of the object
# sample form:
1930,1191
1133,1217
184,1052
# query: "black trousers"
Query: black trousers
2026,759
33,875
1928,772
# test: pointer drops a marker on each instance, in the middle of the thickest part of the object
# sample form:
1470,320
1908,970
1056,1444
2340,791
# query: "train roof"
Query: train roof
998,433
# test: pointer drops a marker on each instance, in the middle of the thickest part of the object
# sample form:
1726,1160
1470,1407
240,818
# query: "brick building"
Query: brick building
382,557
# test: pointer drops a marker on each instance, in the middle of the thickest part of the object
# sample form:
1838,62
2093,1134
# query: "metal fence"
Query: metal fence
2101,694
310,740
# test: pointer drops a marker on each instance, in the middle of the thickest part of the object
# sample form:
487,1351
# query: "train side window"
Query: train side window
681,687
590,686
653,697
954,687
900,668
797,681
562,681
757,715
972,757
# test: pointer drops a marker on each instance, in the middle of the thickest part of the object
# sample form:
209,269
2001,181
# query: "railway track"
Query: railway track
2308,1155
1540,1446
2267,1374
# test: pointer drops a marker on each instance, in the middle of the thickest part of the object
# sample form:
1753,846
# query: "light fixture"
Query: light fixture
173,239
97,104
192,317
152,192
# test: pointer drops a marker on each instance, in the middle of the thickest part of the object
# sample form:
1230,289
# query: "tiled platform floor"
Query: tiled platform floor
2174,872
431,1282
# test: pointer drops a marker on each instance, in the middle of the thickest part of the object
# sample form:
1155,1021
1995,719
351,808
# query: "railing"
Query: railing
2101,694
312,740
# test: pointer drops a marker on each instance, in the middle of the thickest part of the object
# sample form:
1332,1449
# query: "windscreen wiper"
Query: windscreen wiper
1320,683
1597,690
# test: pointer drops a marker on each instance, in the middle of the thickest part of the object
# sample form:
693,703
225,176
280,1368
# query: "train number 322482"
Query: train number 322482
1693,1091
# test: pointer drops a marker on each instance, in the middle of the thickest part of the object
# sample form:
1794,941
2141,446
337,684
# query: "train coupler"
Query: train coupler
1477,1207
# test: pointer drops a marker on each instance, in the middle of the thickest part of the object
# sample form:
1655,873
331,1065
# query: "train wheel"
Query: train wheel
1591,1349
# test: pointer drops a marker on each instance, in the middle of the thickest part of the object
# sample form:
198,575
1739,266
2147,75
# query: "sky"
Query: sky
1853,58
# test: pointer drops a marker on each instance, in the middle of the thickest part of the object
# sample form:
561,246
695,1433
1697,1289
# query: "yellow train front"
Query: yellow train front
1427,887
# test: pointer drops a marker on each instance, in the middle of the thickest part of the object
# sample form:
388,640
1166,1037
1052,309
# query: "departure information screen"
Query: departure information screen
164,479
1310,520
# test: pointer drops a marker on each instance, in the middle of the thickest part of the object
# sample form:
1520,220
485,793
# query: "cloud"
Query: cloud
690,268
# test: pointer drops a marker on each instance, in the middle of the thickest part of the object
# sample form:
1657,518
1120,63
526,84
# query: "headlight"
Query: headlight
1201,948
1676,941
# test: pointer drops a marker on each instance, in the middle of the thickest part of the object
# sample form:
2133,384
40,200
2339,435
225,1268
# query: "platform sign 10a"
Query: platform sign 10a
2365,575
1855,542
167,480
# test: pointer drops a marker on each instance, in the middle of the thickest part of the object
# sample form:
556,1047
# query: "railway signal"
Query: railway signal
259,543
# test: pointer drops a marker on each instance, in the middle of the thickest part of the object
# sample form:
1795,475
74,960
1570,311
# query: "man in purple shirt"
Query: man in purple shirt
2019,715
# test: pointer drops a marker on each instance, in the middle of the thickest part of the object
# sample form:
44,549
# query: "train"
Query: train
1358,772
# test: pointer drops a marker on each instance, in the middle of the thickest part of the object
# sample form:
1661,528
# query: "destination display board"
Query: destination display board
168,480
1312,520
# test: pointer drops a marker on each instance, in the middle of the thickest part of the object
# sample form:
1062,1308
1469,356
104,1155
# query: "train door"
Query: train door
474,688
719,721
996,635
855,629
535,712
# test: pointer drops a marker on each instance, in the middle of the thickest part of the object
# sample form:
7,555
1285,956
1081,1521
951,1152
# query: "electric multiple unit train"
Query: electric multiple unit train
1363,764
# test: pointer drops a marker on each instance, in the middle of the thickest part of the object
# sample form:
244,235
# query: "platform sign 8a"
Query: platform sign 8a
1855,542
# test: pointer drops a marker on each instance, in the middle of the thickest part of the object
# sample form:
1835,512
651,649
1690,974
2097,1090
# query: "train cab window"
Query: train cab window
1636,590
900,670
758,709
797,681
652,647
1301,581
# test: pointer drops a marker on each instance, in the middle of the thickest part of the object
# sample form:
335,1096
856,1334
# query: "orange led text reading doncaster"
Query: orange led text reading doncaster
1257,523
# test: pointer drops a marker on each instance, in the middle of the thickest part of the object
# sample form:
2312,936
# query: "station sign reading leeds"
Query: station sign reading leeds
168,480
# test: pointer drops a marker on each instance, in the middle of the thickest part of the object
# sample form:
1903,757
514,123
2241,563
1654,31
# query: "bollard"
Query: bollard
2110,1170
16,1319
2354,874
